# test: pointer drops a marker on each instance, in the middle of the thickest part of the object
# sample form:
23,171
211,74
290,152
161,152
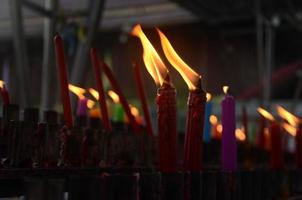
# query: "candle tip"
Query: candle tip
225,89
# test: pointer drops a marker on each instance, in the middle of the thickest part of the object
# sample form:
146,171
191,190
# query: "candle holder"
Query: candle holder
150,186
193,185
31,115
228,186
83,186
81,121
172,186
209,184
50,117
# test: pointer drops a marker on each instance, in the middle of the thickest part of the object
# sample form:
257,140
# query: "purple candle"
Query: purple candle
229,147
82,107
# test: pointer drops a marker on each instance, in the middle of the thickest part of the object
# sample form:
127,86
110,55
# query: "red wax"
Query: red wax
62,74
100,88
122,97
260,135
166,117
276,146
194,131
5,96
298,140
142,96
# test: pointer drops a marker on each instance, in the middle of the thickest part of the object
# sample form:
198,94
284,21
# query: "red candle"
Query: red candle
100,88
122,97
260,134
166,104
276,146
298,140
142,96
62,73
196,107
5,95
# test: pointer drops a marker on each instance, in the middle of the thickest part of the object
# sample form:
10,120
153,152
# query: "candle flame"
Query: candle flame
2,83
219,128
77,91
90,103
283,113
265,114
114,96
191,78
213,120
152,60
225,89
240,135
209,97
94,93
289,129
134,110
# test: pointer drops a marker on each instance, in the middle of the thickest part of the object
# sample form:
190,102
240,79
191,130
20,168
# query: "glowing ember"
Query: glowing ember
94,93
77,91
213,120
90,103
265,114
289,129
114,96
152,60
191,78
292,119
240,134
209,97
225,89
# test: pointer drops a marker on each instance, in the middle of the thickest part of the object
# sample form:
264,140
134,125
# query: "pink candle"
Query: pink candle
229,146
82,107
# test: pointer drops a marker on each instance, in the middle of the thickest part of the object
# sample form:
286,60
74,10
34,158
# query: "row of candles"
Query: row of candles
198,114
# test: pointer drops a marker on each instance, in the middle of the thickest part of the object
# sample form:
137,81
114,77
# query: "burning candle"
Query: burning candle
118,111
260,134
196,107
101,98
166,103
275,139
207,125
216,127
240,135
82,100
63,80
229,146
142,96
245,122
4,93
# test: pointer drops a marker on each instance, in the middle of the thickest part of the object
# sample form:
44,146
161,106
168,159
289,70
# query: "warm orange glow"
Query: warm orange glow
213,120
152,60
134,110
290,129
265,114
77,91
209,97
114,96
191,78
225,89
240,134
90,103
292,119
94,93
219,128
267,139
2,84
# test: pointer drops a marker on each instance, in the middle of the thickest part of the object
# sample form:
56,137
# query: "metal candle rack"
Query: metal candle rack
117,165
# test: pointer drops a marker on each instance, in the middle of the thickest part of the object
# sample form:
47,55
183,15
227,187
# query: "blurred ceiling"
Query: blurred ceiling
118,14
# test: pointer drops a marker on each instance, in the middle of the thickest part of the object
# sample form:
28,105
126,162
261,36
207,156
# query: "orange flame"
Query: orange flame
290,129
114,96
292,119
134,110
77,91
209,97
219,128
240,134
213,120
152,60
265,114
225,89
94,93
2,83
189,75
90,103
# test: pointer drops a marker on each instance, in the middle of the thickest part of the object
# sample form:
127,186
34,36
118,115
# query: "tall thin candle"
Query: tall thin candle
207,123
229,146
100,88
62,73
4,94
122,97
142,96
